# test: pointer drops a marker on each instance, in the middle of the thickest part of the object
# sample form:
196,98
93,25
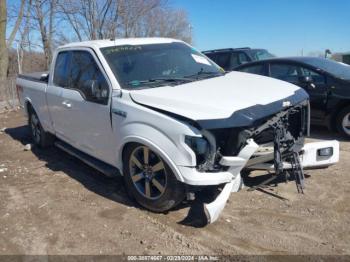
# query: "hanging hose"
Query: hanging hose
278,164
282,138
298,172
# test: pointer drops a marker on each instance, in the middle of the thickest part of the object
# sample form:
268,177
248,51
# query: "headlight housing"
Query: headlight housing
200,147
328,151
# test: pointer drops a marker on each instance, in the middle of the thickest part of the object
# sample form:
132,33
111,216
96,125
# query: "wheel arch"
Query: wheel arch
154,147
28,106
333,114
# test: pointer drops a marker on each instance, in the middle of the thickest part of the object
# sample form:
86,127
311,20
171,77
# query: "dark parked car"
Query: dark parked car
326,81
230,58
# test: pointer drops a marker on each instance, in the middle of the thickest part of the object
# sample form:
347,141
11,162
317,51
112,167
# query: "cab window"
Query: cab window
243,58
86,77
60,76
224,60
238,58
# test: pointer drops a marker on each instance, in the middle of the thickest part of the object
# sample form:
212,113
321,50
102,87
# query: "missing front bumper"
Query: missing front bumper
309,159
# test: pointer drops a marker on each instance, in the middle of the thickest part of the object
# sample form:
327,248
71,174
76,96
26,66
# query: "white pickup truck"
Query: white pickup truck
169,119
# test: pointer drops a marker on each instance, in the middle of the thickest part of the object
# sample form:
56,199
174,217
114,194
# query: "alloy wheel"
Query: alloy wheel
148,173
346,124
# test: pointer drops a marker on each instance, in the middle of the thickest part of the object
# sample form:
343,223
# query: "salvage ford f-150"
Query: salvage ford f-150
169,120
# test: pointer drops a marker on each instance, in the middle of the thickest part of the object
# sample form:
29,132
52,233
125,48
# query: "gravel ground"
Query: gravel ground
51,203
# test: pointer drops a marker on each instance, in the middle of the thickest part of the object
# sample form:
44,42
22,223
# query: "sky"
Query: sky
284,27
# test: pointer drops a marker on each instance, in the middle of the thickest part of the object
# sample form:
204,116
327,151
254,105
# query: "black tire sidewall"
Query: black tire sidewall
173,194
31,114
45,138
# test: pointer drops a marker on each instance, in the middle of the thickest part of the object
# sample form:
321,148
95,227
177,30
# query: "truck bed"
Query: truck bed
32,90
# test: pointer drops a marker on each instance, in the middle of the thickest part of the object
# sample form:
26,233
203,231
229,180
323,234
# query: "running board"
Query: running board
104,168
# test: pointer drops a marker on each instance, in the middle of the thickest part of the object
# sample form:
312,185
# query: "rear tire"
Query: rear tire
343,122
40,137
150,180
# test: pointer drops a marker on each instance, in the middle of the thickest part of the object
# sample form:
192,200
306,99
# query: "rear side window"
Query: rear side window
83,72
60,76
223,60
238,58
285,72
243,58
255,69
235,60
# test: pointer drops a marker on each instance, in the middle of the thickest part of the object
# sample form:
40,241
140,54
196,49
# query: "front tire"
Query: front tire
343,122
150,180
39,136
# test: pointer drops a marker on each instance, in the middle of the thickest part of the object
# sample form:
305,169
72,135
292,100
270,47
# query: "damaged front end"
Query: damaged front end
283,131
274,143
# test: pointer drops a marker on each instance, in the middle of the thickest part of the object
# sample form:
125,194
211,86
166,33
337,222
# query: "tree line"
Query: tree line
32,29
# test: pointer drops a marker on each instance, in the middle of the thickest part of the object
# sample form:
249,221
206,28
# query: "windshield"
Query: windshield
260,54
337,69
140,66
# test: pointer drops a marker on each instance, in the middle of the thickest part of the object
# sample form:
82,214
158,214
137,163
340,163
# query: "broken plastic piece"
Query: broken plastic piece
213,209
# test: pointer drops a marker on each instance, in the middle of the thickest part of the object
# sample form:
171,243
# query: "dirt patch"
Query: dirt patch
52,203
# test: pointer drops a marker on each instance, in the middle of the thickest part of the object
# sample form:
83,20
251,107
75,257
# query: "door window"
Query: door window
235,60
285,72
238,58
86,77
255,69
60,76
317,78
243,58
223,60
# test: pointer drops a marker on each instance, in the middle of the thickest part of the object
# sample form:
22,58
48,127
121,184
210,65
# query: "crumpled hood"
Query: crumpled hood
222,97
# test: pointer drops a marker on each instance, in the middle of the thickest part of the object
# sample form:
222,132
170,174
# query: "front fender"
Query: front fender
173,150
155,148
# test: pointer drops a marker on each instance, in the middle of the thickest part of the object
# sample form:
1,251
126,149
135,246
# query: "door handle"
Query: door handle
67,104
312,85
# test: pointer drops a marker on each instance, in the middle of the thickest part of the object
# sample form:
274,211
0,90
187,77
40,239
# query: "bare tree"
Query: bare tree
90,19
133,14
23,39
83,20
4,45
43,14
103,19
165,22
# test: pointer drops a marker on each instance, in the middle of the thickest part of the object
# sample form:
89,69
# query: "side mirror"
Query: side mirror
306,79
94,90
44,77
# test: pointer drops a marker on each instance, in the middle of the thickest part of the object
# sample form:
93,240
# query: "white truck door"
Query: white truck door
86,107
81,110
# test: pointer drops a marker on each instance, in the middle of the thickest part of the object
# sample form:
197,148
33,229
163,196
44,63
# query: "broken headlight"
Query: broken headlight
200,147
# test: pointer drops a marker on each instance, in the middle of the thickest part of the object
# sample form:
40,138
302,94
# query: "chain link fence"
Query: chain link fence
8,95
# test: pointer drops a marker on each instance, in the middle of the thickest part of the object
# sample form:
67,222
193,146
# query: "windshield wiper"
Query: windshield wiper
202,74
160,80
